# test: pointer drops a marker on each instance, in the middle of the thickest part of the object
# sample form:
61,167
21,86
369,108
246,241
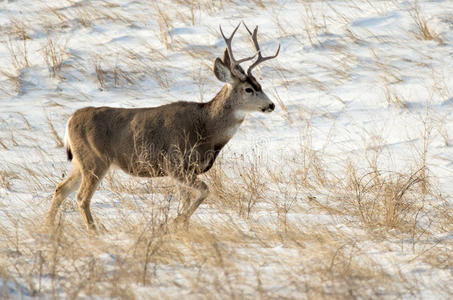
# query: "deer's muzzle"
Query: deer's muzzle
268,108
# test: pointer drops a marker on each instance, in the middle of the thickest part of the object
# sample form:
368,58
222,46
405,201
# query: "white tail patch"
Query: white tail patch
67,140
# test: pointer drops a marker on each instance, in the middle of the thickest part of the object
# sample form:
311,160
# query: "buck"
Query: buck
181,139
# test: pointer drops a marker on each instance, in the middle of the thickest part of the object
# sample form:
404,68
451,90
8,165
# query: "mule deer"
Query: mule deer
181,139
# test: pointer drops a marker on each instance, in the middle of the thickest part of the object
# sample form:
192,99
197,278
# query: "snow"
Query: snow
354,80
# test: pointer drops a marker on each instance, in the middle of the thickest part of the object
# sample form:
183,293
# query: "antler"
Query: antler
257,47
233,62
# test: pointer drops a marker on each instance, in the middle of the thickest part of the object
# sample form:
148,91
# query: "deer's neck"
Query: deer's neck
224,116
220,105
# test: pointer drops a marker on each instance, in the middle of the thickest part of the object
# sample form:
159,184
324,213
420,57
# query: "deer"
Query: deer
181,140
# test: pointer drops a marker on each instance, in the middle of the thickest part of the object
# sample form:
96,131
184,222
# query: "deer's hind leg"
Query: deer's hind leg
92,174
63,189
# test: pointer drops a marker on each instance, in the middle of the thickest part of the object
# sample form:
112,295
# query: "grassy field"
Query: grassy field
344,192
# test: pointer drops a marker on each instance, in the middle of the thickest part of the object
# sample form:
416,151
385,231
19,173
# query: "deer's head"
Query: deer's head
246,90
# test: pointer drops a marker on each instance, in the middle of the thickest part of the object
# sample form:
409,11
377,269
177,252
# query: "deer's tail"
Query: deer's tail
67,141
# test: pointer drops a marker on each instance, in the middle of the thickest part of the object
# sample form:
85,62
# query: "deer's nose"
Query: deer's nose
271,106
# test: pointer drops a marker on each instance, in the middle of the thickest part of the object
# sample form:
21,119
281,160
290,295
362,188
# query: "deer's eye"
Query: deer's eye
248,90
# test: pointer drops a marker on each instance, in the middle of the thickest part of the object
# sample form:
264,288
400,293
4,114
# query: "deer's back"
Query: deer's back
142,140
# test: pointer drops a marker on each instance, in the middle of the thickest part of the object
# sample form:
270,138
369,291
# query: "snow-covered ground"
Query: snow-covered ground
345,191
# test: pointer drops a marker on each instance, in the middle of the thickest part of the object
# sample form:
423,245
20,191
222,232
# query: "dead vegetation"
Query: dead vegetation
423,30
331,222
253,237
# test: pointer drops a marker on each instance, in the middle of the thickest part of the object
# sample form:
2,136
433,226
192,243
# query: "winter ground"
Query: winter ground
345,191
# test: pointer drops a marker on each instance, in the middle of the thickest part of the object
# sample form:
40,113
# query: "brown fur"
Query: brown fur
174,139
181,140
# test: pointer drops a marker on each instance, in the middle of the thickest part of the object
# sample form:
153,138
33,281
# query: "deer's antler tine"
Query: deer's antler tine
257,47
247,27
262,59
258,50
247,58
228,42
233,62
234,31
276,53
254,37
232,34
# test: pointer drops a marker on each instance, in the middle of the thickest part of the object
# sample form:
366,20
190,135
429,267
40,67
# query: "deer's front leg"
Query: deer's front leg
189,207
184,196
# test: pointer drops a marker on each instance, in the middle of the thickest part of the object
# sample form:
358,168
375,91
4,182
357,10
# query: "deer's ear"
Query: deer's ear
222,72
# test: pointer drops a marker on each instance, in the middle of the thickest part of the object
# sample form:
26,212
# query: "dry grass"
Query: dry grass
423,30
59,142
17,45
304,223
54,55
234,247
